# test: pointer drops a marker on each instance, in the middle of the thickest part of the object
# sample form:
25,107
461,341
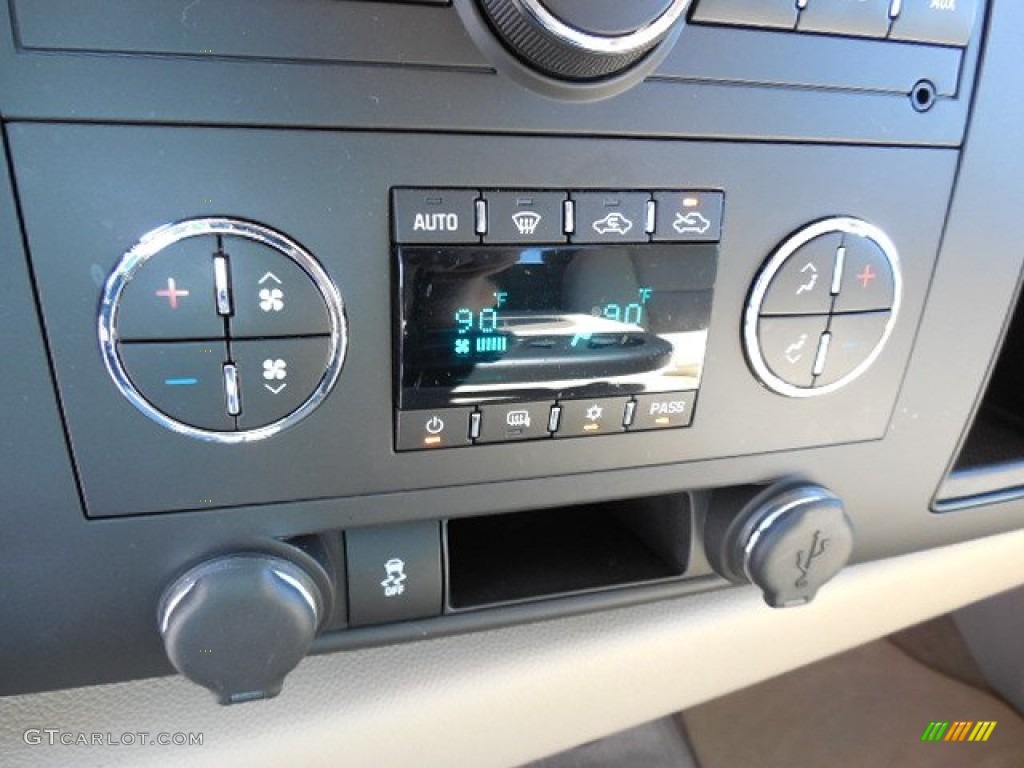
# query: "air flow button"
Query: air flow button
276,376
272,295
790,346
803,283
691,217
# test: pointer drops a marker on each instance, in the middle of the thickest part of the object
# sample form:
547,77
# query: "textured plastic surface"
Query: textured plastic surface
346,229
499,699
796,542
607,17
238,624
317,64
95,613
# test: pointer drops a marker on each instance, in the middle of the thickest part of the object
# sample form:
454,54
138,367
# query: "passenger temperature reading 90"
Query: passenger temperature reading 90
480,323
631,314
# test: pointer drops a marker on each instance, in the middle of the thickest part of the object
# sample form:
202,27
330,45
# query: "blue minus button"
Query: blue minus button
181,382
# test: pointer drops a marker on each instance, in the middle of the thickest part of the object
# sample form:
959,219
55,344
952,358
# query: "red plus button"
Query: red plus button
866,276
868,281
172,293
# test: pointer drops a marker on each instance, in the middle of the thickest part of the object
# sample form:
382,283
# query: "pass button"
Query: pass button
663,411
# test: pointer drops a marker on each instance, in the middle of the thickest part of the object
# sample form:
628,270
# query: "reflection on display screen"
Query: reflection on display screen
484,324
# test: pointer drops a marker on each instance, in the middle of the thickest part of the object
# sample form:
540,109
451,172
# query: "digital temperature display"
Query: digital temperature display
495,323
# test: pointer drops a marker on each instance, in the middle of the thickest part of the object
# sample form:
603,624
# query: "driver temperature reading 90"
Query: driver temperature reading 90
484,323
479,331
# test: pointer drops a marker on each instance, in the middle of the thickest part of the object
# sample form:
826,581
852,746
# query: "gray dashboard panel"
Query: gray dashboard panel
330,192
80,593
387,65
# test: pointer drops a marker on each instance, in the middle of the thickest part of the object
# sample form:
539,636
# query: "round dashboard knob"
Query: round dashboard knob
787,540
238,624
575,40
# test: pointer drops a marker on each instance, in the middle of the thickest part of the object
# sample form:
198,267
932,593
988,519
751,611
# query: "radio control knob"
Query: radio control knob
238,624
575,40
787,540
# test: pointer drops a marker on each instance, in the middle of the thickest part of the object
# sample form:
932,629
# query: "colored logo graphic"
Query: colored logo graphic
959,730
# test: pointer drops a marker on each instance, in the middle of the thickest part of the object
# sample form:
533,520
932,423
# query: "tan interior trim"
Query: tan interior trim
504,697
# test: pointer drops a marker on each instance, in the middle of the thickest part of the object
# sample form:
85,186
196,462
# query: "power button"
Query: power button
441,428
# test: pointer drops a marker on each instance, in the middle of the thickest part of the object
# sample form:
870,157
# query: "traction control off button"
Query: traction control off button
394,573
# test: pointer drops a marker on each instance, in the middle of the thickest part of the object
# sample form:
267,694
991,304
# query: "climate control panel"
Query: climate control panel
221,329
823,307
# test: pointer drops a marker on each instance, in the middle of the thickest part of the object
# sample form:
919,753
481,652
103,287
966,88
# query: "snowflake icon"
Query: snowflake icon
271,299
275,369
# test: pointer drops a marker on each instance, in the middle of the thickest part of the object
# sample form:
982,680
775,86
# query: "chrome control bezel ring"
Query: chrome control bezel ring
155,241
